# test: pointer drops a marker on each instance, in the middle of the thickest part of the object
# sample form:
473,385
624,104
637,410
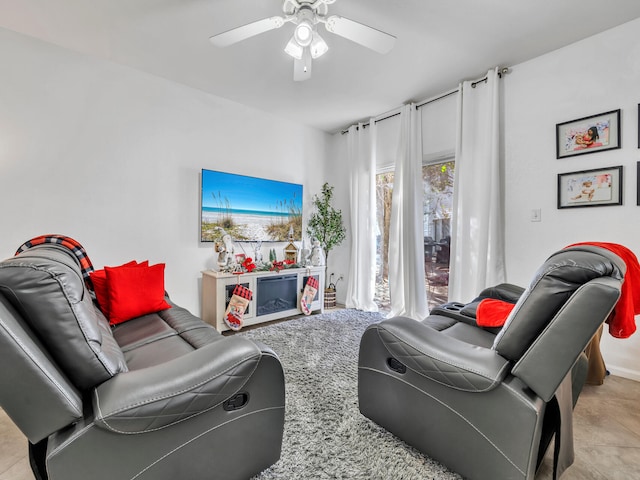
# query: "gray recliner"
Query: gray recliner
161,396
485,402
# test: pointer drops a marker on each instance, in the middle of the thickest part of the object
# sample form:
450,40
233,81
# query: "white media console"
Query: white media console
276,294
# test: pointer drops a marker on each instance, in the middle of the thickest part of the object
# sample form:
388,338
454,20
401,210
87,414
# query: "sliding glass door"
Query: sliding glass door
437,181
437,207
384,194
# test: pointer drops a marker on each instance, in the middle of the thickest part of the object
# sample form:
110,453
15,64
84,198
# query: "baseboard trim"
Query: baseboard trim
624,372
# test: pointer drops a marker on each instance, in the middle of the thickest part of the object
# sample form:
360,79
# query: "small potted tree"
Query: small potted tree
326,226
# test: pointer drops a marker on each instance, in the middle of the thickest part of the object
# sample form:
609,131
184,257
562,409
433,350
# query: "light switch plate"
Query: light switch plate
536,215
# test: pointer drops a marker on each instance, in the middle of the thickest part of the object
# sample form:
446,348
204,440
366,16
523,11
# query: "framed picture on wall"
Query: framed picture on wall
588,135
590,188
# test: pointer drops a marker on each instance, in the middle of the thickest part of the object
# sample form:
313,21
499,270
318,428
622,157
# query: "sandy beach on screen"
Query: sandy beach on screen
253,227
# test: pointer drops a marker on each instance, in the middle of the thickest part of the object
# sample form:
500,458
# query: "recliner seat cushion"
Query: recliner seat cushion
162,336
46,286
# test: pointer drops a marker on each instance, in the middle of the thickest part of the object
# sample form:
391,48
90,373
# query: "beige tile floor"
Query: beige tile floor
606,433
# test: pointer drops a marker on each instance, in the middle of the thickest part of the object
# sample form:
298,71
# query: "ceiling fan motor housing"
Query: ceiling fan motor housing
304,29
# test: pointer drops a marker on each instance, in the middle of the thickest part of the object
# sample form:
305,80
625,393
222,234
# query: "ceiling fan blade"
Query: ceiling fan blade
238,34
302,67
366,36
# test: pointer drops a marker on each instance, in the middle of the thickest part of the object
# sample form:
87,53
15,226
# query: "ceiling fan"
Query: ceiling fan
306,43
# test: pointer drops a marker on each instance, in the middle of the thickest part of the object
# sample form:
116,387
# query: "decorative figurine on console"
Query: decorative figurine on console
226,259
257,254
317,255
291,250
305,255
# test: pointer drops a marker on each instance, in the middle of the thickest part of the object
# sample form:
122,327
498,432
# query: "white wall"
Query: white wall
596,75
112,157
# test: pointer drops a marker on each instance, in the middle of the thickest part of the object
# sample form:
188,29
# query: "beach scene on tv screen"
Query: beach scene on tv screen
249,208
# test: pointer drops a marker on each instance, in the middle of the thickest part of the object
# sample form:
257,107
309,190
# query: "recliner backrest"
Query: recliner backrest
45,286
552,355
552,286
36,394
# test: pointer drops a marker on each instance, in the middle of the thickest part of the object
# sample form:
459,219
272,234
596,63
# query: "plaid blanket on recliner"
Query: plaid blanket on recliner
68,242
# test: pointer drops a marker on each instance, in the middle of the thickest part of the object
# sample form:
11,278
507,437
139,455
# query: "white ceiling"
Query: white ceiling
439,43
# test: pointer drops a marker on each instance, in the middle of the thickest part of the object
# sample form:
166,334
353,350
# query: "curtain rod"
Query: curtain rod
482,80
435,99
425,102
502,71
365,125
421,104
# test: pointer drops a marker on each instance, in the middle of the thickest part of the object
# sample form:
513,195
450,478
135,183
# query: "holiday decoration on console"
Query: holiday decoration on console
238,304
310,290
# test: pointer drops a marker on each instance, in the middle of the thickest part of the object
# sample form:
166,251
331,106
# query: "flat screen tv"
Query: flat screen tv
248,208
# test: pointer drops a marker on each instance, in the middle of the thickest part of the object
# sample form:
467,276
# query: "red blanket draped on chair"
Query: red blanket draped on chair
622,322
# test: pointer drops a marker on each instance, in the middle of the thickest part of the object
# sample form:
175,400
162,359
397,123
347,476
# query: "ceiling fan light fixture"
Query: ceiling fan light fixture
303,33
294,49
306,44
318,46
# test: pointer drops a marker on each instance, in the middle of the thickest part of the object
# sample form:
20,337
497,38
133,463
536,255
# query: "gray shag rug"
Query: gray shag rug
325,435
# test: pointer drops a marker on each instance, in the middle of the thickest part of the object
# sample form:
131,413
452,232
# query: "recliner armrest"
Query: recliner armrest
441,358
156,397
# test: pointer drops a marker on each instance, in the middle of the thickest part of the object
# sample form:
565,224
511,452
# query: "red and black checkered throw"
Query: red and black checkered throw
68,242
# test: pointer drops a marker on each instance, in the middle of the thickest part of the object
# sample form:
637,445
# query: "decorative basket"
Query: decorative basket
329,298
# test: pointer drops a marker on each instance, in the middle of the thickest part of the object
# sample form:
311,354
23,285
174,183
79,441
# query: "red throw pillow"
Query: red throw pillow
493,313
135,291
101,287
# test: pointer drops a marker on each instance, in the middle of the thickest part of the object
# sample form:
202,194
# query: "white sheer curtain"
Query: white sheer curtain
477,253
406,242
361,156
